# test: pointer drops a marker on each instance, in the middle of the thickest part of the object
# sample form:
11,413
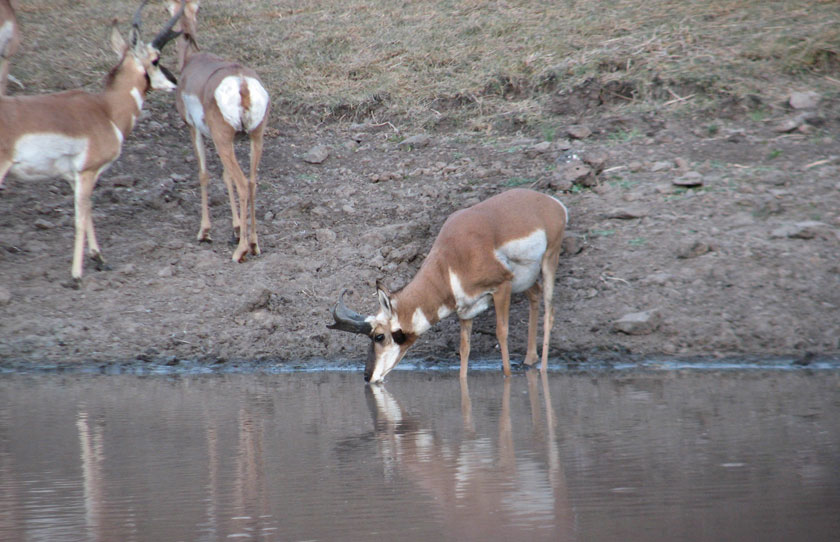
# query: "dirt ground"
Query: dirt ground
745,264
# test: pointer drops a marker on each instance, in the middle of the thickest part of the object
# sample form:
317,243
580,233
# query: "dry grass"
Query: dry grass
469,63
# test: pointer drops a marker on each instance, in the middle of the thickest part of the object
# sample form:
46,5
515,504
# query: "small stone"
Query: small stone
689,180
635,166
801,230
538,149
42,224
789,125
325,236
125,181
572,244
804,100
165,272
577,131
694,249
682,164
662,165
597,160
5,296
638,323
577,172
415,142
626,213
316,155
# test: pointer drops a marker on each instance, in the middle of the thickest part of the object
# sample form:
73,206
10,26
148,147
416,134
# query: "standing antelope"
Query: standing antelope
218,99
482,253
9,39
77,135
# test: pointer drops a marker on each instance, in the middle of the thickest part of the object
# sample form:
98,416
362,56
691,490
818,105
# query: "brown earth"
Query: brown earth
744,265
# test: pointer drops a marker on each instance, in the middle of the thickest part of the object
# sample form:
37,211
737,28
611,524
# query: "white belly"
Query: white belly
46,156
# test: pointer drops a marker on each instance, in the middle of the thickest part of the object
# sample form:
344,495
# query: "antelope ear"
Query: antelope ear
117,42
384,298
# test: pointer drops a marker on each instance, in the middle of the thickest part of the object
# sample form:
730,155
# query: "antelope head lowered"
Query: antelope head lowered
482,254
76,135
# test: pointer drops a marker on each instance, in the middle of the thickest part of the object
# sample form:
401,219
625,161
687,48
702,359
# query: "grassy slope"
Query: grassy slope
471,61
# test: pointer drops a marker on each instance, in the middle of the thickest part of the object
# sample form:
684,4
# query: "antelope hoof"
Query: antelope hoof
99,263
255,249
239,256
204,237
73,284
234,239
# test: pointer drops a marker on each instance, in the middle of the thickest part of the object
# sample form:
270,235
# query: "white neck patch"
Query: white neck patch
138,98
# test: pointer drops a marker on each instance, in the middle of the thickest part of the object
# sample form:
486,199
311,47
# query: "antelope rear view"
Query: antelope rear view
218,99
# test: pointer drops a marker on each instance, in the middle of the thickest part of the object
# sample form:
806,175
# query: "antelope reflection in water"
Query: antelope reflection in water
483,490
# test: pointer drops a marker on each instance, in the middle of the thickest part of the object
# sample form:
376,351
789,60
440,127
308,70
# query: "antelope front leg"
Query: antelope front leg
203,178
501,300
466,329
83,188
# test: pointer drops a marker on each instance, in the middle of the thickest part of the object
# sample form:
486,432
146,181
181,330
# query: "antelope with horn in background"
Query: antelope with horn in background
76,134
218,99
483,253
9,40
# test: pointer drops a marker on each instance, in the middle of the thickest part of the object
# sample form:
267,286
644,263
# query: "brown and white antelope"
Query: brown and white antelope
76,134
218,99
9,39
482,254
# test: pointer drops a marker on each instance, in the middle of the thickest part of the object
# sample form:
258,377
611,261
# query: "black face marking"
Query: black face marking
399,336
168,74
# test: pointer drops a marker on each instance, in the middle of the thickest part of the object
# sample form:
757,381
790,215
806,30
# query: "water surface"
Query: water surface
661,455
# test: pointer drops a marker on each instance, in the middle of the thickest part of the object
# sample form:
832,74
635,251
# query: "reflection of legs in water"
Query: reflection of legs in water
466,409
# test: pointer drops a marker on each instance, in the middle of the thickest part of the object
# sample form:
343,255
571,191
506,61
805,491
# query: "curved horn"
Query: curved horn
348,320
137,20
167,34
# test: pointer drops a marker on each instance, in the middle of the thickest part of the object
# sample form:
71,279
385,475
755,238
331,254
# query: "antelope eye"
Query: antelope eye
155,61
379,338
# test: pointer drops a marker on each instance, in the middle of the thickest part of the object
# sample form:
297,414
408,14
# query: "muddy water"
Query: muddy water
661,455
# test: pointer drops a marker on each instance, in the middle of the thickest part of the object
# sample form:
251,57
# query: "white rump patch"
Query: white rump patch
117,132
46,156
195,113
522,257
229,102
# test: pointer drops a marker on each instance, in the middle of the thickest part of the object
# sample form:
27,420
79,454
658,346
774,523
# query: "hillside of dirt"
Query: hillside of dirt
714,226
744,262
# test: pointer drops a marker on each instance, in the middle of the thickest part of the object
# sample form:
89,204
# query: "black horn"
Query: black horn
167,34
348,320
138,18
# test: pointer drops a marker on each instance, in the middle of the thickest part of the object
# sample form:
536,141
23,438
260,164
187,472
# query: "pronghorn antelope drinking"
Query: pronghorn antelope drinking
9,39
483,253
218,99
77,135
